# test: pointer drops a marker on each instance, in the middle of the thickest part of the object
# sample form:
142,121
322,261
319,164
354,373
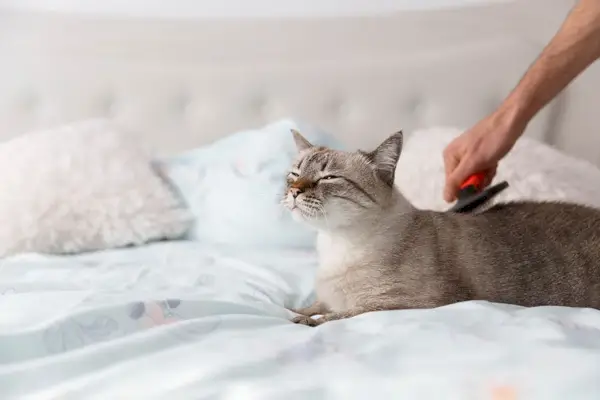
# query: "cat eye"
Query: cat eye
295,175
329,177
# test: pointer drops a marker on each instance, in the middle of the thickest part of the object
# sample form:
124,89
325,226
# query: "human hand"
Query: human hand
479,149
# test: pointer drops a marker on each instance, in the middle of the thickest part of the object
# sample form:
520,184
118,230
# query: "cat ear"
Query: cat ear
385,157
301,142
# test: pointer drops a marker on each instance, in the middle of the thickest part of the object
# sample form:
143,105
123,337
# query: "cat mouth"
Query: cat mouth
296,210
293,205
297,214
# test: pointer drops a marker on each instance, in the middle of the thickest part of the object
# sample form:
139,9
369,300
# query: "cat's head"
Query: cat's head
331,189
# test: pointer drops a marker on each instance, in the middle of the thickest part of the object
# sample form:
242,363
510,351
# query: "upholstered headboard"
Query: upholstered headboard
179,84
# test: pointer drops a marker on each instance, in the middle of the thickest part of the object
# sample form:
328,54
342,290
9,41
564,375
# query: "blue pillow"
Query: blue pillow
234,186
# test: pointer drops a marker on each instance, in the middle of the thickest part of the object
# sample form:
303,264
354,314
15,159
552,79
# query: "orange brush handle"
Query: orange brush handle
474,180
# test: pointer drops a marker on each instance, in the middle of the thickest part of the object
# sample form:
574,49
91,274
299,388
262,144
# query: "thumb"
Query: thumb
456,178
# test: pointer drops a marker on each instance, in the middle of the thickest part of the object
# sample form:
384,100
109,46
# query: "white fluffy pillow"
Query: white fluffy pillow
534,171
79,188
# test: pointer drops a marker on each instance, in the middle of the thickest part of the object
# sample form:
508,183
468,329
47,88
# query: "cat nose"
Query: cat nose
295,192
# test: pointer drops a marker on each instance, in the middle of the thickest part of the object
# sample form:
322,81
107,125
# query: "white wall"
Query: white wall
232,8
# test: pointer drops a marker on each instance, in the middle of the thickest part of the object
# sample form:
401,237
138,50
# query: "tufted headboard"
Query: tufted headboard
181,83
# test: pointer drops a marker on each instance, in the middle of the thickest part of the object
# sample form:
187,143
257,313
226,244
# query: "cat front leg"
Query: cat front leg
316,308
332,316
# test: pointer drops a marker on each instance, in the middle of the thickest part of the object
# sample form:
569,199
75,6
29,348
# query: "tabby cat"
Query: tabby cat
378,252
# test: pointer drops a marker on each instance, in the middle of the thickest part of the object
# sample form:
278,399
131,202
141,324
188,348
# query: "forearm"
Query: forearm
575,46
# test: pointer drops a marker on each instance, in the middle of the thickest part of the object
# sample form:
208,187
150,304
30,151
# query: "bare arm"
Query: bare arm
575,46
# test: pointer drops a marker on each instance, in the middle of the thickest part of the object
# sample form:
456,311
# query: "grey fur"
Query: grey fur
378,252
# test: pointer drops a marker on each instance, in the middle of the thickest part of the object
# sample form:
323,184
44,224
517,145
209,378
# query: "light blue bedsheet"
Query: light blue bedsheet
177,320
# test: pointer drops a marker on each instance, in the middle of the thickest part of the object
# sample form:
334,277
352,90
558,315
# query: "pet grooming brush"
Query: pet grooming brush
471,196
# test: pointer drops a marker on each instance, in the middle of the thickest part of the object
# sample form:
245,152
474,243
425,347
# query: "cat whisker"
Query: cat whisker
322,211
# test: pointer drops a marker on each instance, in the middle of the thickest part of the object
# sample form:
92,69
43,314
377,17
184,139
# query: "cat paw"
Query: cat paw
308,321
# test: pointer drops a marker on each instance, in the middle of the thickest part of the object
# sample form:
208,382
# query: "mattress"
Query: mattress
181,320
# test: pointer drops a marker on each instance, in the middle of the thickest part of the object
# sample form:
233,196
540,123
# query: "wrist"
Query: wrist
513,116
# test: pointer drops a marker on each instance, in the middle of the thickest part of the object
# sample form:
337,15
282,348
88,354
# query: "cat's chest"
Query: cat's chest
336,254
338,261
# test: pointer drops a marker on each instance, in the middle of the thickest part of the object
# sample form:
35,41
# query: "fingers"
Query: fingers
463,158
450,190
453,181
489,176
451,161
463,171
478,149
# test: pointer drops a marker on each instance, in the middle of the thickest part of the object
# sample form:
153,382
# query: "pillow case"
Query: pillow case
234,186
79,188
533,170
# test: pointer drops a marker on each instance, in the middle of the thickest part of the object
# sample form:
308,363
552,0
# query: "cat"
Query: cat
378,252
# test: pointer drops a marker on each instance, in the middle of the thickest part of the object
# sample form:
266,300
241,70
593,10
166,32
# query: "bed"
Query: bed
191,319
